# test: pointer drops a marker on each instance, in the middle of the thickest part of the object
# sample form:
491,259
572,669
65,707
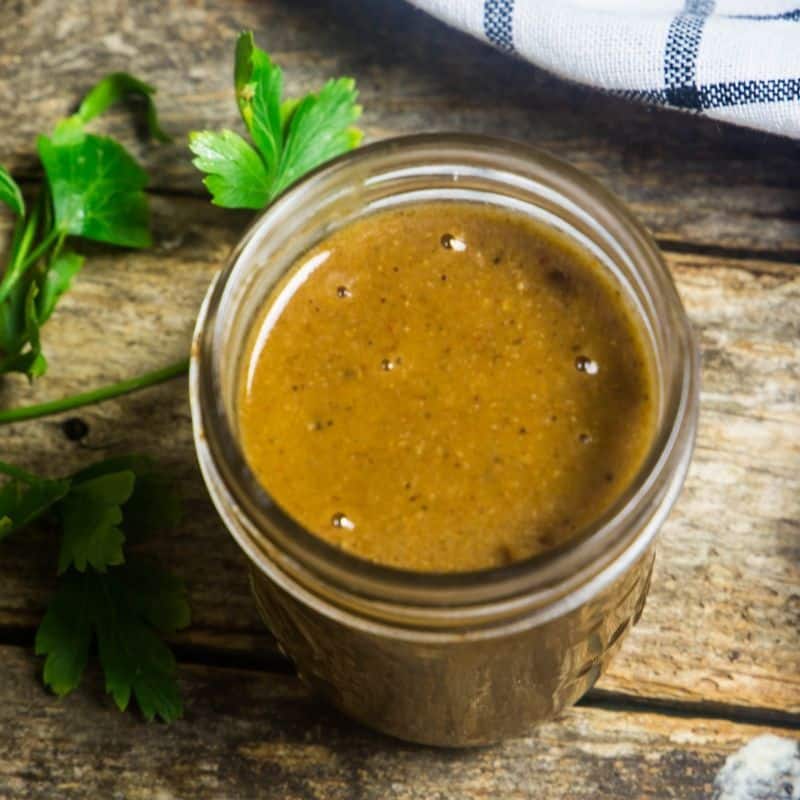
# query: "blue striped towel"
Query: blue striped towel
734,60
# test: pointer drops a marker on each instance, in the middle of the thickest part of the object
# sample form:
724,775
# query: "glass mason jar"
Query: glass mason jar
460,658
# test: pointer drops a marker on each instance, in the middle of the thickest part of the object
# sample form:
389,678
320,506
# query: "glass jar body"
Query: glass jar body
468,658
458,691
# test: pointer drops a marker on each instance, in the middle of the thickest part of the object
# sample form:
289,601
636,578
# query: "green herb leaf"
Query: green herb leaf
97,188
124,608
259,85
94,189
320,128
133,657
91,516
156,594
22,502
237,177
56,281
153,505
10,193
65,633
292,136
30,362
116,87
35,360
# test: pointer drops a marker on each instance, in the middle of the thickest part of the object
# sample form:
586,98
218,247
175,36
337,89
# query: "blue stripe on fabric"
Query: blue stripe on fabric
789,16
721,95
739,93
652,96
498,23
680,55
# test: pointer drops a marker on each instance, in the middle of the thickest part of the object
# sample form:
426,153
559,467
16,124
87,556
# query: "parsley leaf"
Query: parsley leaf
153,504
119,86
91,515
22,500
105,593
93,189
65,633
125,609
259,85
237,177
20,346
56,281
319,128
291,136
10,193
133,656
98,189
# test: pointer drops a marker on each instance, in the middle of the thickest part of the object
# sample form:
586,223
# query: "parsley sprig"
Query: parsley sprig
93,189
106,593
291,136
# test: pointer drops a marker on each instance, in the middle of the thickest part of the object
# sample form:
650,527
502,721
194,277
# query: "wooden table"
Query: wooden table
715,659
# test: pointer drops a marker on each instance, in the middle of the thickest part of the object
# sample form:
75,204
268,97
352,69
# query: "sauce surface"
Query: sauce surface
446,387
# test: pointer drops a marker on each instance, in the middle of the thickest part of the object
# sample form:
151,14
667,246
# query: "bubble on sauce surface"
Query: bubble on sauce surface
587,365
450,242
343,291
387,365
339,520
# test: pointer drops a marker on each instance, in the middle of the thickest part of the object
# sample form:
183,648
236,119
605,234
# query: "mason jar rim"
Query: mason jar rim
281,547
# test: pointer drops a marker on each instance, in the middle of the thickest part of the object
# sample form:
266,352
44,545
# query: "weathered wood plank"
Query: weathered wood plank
723,620
250,735
689,179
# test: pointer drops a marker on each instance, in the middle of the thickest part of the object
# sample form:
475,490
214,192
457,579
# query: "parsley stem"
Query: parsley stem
59,244
18,473
20,246
95,395
41,248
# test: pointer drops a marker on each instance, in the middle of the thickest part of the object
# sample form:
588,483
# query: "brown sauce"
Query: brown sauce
447,387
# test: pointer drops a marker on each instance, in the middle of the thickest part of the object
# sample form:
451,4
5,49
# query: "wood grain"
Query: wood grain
251,736
722,626
691,180
723,621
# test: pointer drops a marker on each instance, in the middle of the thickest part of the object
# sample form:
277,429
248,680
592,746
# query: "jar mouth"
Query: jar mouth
383,171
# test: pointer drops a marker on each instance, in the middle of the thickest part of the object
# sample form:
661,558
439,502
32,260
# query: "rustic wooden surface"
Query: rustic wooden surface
716,656
268,738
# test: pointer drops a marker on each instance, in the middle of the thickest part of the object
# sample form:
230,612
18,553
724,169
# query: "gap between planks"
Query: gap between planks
668,245
601,699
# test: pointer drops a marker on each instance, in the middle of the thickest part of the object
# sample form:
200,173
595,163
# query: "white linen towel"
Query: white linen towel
733,60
